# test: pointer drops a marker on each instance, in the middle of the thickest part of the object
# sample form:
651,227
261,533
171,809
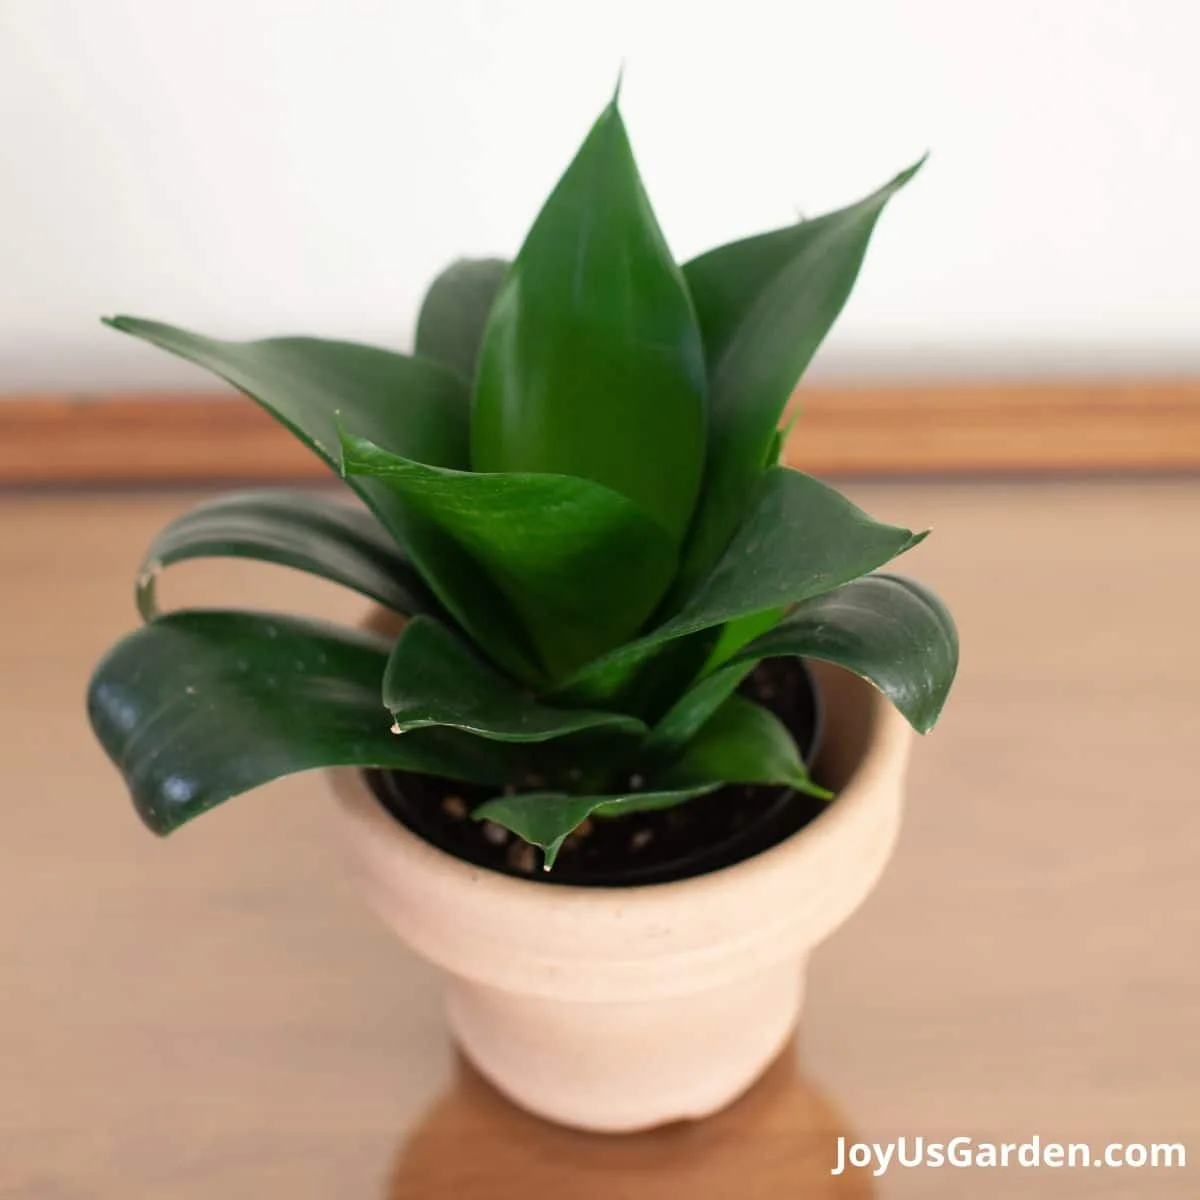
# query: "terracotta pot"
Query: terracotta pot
616,1009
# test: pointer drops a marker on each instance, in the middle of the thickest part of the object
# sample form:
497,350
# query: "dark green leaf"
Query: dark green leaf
890,630
800,539
684,719
765,305
294,529
737,633
546,819
778,443
432,679
688,712
418,408
452,318
415,407
581,564
197,707
742,742
592,363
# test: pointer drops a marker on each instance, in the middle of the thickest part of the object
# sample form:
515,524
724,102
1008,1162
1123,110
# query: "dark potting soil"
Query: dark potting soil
700,835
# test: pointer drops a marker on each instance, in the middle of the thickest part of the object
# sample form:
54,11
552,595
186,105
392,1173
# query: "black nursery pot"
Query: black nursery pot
701,835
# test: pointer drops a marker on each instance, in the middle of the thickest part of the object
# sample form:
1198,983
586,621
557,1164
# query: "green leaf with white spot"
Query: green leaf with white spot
200,706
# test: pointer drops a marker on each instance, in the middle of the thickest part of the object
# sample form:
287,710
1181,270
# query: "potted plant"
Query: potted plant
573,743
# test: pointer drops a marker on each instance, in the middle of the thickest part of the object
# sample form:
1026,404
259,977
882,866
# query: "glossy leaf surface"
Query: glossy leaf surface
892,631
433,678
200,706
546,819
592,363
581,564
742,742
416,407
765,305
291,528
455,310
800,539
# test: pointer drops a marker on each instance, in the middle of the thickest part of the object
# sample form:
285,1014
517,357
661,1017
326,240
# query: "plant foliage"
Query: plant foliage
572,490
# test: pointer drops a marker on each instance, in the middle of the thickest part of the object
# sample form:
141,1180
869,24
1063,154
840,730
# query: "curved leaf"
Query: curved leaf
433,679
581,564
200,706
418,408
592,363
800,539
455,310
546,819
765,305
292,528
892,631
742,742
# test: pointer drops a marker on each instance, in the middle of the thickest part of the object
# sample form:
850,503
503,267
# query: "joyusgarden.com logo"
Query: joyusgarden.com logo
963,1152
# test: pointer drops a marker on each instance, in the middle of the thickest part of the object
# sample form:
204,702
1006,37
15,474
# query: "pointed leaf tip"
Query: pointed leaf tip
765,304
907,174
546,819
592,362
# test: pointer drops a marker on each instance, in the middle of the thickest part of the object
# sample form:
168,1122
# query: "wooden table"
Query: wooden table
218,1015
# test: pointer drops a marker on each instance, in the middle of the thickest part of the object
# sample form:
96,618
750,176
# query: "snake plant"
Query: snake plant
572,491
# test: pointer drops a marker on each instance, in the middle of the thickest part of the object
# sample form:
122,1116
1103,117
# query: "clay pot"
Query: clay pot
616,1009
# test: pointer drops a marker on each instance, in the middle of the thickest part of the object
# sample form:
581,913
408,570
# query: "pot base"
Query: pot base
599,1067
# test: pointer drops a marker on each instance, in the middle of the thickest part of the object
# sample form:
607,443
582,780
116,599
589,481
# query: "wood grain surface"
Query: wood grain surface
217,1014
1132,426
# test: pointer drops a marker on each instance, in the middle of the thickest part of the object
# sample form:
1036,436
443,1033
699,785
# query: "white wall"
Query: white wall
258,166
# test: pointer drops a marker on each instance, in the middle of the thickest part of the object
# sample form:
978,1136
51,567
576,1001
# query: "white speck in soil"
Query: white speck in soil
496,834
641,839
636,781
